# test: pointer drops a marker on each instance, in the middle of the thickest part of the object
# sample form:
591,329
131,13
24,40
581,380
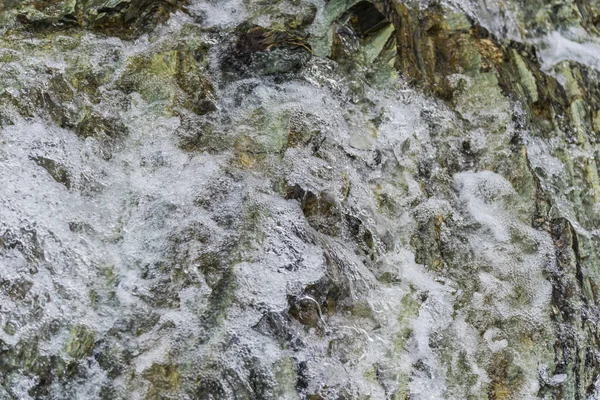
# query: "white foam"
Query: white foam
570,45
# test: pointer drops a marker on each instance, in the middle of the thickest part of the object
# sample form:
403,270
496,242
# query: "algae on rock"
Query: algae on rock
302,199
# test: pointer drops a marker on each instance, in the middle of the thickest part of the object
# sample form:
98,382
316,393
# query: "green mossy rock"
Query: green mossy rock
80,342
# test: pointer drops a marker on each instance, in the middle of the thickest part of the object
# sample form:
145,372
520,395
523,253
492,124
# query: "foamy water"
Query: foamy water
142,212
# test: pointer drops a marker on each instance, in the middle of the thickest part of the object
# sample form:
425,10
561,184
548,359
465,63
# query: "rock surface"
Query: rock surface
299,199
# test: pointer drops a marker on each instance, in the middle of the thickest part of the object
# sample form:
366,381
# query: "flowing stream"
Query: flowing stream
299,199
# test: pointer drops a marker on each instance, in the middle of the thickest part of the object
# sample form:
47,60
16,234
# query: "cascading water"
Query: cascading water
299,199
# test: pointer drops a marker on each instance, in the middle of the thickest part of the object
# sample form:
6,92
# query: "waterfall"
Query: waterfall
299,199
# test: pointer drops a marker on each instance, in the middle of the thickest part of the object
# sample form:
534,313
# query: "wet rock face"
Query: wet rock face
299,200
267,52
123,18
